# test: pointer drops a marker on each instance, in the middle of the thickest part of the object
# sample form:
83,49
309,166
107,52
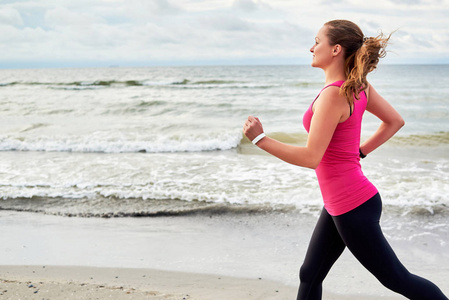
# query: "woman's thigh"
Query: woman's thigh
362,234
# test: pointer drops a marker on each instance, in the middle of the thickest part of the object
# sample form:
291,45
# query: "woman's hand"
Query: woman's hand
391,121
252,128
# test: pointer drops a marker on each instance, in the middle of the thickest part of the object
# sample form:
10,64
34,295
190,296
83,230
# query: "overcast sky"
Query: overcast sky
66,33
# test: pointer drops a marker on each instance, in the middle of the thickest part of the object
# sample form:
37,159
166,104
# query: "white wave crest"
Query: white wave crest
110,143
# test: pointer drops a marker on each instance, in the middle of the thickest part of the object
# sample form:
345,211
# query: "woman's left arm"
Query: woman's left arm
327,114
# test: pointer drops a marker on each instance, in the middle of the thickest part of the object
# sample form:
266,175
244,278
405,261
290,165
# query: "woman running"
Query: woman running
352,204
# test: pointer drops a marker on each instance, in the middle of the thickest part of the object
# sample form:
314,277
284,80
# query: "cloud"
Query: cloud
245,5
10,16
418,2
249,5
145,10
61,16
225,23
194,31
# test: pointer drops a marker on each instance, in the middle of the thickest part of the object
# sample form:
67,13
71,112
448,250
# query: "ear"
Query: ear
337,49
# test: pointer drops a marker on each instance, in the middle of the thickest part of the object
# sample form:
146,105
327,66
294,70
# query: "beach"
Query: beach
189,257
48,282
136,183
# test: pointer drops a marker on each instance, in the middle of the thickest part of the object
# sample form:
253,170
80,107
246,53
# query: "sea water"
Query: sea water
168,140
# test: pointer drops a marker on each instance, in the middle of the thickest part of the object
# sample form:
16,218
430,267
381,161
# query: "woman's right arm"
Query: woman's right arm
391,121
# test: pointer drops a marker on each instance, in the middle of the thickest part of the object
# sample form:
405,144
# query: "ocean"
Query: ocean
158,141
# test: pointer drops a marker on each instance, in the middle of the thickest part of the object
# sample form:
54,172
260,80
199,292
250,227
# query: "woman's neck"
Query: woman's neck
334,72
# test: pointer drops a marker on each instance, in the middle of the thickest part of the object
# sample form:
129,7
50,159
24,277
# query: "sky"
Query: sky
99,33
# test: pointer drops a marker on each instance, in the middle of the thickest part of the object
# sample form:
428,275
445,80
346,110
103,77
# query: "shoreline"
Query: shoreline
77,282
217,257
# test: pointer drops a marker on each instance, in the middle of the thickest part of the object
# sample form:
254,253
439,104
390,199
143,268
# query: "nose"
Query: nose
313,48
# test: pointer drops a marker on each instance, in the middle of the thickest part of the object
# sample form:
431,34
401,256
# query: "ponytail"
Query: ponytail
360,63
361,54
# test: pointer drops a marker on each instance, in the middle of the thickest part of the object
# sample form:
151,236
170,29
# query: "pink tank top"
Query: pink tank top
342,183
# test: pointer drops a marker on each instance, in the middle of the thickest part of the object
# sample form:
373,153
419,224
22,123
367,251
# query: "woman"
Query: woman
352,205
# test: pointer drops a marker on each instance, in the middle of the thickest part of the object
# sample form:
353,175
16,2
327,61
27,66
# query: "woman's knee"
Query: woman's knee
307,273
312,274
396,280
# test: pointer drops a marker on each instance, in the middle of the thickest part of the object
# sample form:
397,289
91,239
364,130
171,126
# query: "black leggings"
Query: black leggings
360,231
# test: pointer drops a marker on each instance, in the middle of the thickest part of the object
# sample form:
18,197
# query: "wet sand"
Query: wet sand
191,257
56,282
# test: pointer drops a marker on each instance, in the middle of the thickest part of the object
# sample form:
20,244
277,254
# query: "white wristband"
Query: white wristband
258,138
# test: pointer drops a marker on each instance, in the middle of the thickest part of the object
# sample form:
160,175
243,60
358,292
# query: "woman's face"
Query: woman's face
322,51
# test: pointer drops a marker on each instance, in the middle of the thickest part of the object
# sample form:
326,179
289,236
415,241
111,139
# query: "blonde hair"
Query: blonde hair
361,54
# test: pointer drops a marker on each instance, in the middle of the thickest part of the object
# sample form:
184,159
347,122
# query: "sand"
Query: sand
234,257
50,282
57,282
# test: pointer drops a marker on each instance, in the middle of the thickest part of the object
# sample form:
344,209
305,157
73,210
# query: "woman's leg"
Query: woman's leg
324,249
361,232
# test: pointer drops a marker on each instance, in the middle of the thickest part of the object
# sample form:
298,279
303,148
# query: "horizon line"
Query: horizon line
217,64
